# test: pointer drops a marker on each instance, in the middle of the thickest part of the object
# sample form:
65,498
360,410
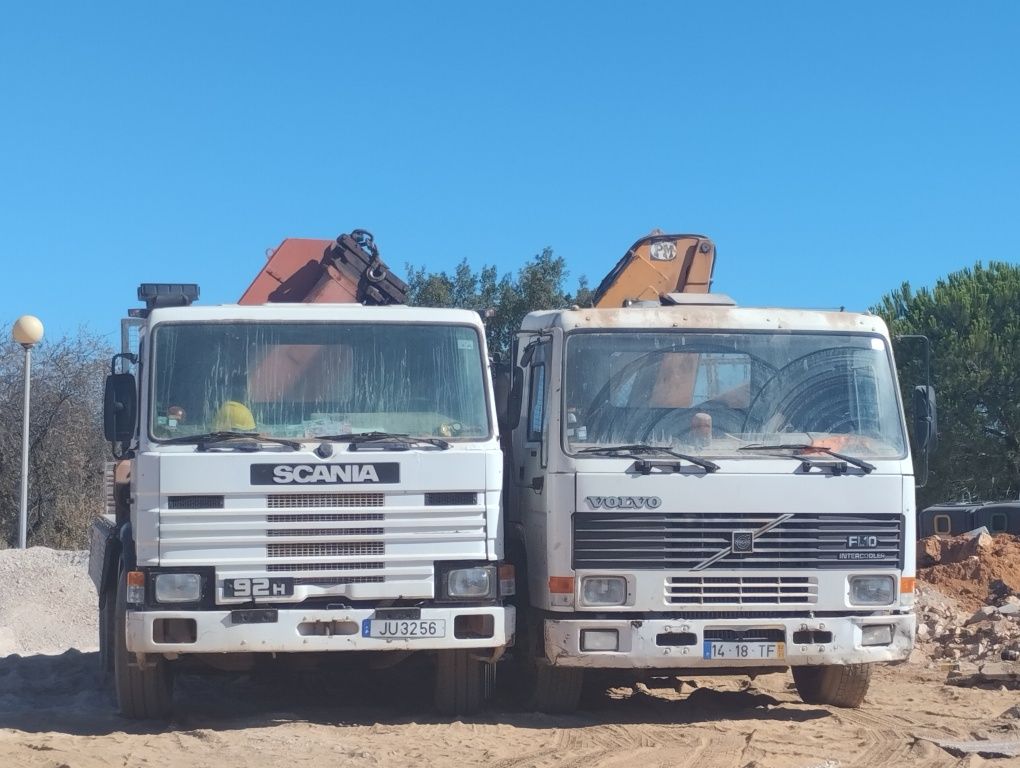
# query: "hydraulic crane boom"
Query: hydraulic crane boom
347,270
658,264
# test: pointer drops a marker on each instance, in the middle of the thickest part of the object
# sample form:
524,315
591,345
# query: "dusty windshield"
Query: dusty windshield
309,379
711,394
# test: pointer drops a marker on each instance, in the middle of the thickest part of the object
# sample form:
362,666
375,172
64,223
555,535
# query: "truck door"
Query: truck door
531,456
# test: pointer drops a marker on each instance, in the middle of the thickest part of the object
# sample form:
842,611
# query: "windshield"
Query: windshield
310,379
711,394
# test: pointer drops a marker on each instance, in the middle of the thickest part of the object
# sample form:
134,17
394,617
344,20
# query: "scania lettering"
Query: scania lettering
333,473
317,479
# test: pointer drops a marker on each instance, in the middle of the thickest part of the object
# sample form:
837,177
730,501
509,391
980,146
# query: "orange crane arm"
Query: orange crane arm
658,264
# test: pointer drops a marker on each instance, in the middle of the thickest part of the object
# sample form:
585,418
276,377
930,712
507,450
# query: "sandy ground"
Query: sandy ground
55,713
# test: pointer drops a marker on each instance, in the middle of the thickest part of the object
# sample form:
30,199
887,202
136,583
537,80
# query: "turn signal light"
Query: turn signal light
906,584
135,588
560,585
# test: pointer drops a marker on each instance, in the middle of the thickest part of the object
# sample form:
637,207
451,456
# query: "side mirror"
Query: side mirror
120,407
516,395
926,425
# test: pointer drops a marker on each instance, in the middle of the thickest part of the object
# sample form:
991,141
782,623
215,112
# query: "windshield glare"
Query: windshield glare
710,394
301,380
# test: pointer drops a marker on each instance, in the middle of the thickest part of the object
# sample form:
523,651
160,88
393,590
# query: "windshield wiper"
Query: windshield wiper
635,450
808,448
404,441
251,440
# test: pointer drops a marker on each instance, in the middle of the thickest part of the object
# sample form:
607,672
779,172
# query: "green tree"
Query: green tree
539,284
973,320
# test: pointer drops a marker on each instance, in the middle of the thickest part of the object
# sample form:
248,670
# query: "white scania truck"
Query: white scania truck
301,478
695,487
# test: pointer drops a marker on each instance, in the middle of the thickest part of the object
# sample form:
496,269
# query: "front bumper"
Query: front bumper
639,642
297,630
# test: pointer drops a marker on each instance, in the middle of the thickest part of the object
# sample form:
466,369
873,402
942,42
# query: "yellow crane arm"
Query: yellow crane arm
656,264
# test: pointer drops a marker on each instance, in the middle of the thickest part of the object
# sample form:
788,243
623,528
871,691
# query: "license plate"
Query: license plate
744,651
258,587
403,629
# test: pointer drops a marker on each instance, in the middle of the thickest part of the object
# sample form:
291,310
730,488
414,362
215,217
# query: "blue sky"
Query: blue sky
831,151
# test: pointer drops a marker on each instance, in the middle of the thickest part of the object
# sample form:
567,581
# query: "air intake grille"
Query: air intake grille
687,541
746,635
450,499
329,581
294,567
745,590
325,532
327,549
324,500
339,518
194,502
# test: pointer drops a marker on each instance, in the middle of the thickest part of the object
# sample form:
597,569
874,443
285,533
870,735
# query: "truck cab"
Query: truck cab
302,479
695,487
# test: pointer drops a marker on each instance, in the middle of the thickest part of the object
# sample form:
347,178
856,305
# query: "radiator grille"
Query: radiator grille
330,581
744,590
685,541
327,549
324,532
194,502
364,517
295,567
324,500
751,635
450,499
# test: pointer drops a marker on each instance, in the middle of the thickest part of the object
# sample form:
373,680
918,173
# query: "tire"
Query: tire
107,611
541,686
838,686
144,692
463,683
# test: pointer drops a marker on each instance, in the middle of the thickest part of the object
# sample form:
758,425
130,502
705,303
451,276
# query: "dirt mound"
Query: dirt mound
47,601
973,569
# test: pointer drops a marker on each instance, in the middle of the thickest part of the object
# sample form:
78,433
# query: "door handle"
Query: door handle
538,483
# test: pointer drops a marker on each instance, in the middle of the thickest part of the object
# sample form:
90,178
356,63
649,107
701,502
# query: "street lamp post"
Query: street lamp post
27,331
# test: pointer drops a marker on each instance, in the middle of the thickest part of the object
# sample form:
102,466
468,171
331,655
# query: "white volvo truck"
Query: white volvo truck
699,488
298,479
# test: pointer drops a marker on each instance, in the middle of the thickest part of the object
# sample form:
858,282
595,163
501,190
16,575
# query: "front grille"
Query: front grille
363,517
744,590
324,532
686,541
330,581
327,549
450,499
294,567
320,500
194,502
751,635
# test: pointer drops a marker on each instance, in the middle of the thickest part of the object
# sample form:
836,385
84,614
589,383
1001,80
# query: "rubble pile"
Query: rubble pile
968,606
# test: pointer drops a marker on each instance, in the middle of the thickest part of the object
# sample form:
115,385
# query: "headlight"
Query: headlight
467,583
178,587
872,590
604,590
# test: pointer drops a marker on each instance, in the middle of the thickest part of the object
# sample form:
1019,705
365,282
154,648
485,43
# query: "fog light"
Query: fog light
876,634
471,583
600,640
872,590
178,587
604,590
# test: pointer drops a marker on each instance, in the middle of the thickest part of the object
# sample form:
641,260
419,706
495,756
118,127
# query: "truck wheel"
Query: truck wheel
463,683
541,686
839,686
144,692
107,605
